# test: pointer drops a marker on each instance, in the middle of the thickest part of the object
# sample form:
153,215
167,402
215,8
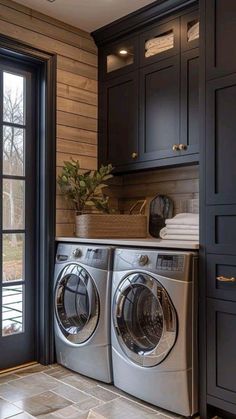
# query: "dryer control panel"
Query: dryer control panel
170,264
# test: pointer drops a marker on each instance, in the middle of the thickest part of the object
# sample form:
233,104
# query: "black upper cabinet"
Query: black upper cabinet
159,109
118,140
189,135
220,39
119,57
160,42
148,110
221,141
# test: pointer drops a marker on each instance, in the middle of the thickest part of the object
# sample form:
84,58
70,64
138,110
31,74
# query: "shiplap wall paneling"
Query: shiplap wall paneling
76,88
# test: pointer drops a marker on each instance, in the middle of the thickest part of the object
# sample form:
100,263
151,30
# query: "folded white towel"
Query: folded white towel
154,44
160,41
193,32
184,219
184,227
187,237
180,231
156,50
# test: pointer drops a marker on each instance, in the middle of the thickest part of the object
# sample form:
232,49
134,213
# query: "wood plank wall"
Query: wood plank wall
76,88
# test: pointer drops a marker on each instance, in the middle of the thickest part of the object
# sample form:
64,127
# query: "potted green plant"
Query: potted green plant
85,189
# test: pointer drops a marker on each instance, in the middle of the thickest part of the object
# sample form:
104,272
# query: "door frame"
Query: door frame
45,65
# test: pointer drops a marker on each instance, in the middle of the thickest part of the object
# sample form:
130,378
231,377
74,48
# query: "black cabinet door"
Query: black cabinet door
159,109
220,37
221,344
118,136
221,229
221,277
189,135
221,141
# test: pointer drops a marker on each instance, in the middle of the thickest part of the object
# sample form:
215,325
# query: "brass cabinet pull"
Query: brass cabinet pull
225,279
183,147
175,147
134,155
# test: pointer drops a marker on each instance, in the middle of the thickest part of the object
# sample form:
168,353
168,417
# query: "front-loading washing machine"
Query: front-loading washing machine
82,286
154,330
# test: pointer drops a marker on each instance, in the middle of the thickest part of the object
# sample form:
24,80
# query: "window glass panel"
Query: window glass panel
122,56
13,151
12,310
159,44
13,98
13,257
13,204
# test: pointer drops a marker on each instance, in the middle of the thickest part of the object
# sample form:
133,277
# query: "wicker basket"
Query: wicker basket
126,226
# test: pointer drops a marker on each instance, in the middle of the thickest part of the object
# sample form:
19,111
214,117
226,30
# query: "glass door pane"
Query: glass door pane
13,202
17,222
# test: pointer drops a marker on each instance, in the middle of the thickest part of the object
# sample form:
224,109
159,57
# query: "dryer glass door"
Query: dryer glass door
145,319
76,303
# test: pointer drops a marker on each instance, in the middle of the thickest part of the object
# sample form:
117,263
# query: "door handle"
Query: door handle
175,147
183,147
134,155
226,279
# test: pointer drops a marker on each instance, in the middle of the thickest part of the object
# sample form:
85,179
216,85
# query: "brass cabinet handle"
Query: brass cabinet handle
175,147
183,147
225,279
134,155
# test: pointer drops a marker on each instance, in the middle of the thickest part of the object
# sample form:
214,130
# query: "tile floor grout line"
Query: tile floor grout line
134,401
83,391
33,395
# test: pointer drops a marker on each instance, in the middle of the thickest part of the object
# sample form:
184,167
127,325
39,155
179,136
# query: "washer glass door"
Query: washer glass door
76,303
145,319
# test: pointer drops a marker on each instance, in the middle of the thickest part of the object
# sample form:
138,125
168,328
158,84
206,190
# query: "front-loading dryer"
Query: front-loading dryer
154,327
82,286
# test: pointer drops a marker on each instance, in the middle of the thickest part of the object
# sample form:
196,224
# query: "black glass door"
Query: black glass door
18,329
76,304
144,319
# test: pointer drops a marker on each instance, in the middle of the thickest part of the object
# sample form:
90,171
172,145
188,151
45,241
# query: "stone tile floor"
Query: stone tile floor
54,392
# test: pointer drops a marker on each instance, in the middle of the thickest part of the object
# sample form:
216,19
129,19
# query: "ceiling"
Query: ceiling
88,15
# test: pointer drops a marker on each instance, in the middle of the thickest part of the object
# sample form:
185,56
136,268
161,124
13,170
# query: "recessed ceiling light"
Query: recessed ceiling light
123,52
51,1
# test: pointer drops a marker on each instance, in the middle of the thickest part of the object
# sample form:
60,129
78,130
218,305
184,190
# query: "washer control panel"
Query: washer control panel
98,257
167,262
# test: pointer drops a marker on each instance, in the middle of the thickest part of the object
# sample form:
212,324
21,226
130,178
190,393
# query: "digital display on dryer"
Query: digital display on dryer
167,262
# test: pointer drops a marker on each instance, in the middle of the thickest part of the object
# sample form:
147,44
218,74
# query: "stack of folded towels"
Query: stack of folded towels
159,44
183,226
193,32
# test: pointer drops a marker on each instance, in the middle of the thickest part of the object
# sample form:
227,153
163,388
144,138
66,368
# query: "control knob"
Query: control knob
143,260
77,253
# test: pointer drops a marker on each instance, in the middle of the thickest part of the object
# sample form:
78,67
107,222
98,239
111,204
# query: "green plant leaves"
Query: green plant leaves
85,188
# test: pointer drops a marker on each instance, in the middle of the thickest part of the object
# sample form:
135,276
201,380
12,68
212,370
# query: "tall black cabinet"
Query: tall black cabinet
218,209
